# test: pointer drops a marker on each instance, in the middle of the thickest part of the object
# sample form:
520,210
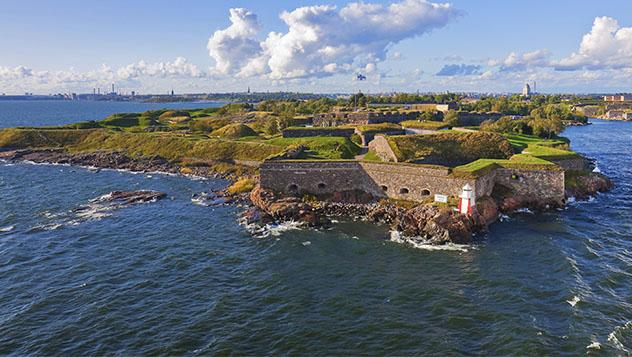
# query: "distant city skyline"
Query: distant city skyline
315,46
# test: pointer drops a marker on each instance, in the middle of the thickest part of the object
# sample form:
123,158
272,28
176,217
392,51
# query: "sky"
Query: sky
321,46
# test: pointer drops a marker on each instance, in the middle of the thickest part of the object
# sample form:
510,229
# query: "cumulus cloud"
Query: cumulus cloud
180,67
322,40
521,62
606,46
459,70
233,47
22,77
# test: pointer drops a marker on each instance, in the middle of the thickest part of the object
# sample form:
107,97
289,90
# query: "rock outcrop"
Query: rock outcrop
586,185
435,225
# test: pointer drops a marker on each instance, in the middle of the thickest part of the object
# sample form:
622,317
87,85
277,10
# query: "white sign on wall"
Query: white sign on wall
441,198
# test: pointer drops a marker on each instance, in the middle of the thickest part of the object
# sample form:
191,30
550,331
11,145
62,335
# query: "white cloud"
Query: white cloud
233,47
22,78
521,62
323,40
607,45
179,67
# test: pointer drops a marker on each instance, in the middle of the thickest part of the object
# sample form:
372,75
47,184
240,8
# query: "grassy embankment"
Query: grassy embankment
425,125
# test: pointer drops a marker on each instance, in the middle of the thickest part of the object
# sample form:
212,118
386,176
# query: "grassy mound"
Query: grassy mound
234,131
378,128
483,166
39,138
207,124
450,148
521,141
425,125
170,114
320,147
549,153
174,147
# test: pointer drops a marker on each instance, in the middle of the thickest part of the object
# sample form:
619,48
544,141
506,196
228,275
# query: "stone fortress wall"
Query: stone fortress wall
402,181
363,117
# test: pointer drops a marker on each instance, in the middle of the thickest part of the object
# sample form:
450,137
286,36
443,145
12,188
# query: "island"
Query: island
437,169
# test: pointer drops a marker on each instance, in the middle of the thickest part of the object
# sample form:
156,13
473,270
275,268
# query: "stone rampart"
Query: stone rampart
403,181
308,132
538,184
397,181
382,148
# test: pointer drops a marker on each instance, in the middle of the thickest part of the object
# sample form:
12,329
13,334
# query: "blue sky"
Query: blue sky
152,46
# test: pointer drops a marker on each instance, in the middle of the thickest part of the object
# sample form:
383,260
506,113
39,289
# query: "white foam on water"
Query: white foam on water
306,243
597,169
524,210
6,229
594,345
273,230
613,337
573,301
419,243
504,218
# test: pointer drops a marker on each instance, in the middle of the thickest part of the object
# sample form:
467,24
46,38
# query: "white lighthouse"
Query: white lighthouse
466,203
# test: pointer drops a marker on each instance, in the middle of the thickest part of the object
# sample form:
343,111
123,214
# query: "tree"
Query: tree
451,118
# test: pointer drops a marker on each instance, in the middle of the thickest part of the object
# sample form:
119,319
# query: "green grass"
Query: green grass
549,153
425,125
372,156
172,147
376,128
42,138
521,141
484,166
234,131
450,148
320,147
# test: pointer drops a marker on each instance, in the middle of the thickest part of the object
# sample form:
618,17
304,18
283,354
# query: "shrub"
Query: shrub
242,185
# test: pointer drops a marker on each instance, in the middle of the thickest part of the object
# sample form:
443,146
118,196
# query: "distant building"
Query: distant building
618,115
526,90
617,98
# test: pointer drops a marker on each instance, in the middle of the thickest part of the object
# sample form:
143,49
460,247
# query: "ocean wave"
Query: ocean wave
273,230
621,337
419,243
96,209
205,199
6,229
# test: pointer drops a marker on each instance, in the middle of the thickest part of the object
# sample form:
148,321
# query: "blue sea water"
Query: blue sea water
60,112
171,277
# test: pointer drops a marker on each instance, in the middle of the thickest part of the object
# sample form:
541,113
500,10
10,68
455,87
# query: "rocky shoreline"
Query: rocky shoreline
427,224
419,224
109,160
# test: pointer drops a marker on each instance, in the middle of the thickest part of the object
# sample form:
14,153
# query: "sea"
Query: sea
78,277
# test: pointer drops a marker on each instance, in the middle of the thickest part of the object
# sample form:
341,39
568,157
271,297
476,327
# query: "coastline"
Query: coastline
414,223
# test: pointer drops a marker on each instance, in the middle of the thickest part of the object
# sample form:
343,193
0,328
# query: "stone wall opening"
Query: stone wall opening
425,192
403,191
384,188
292,188
322,186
